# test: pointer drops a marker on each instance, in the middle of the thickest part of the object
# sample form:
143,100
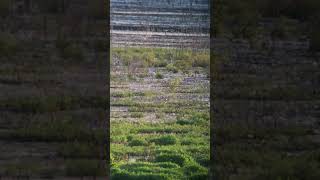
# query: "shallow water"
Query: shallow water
160,19
160,15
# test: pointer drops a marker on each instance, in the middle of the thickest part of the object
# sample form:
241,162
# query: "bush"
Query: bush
137,142
183,65
178,159
175,83
194,118
168,165
136,114
201,60
165,140
172,68
159,75
160,63
195,170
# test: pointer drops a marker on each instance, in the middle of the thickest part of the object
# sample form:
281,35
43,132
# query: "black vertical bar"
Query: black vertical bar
211,173
108,87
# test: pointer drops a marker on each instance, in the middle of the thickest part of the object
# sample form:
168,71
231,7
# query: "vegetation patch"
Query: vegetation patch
165,140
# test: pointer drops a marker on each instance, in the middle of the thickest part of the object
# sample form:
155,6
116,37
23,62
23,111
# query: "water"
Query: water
152,22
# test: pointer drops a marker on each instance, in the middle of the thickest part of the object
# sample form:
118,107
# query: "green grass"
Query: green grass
136,141
147,171
162,145
158,171
168,149
136,114
165,140
173,59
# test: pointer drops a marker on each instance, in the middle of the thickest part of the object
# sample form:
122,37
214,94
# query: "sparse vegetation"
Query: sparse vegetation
153,146
165,140
159,75
169,58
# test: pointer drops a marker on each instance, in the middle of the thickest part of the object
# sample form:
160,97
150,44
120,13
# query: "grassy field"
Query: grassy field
159,114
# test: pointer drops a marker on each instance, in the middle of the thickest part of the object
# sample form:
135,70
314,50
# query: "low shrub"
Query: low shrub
137,142
174,83
165,140
168,165
160,63
178,159
171,68
183,65
195,170
173,60
159,75
201,60
118,139
136,114
194,118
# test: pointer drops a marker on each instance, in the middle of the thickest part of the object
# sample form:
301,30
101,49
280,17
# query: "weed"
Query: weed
137,114
178,159
174,83
165,140
170,67
159,75
137,142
